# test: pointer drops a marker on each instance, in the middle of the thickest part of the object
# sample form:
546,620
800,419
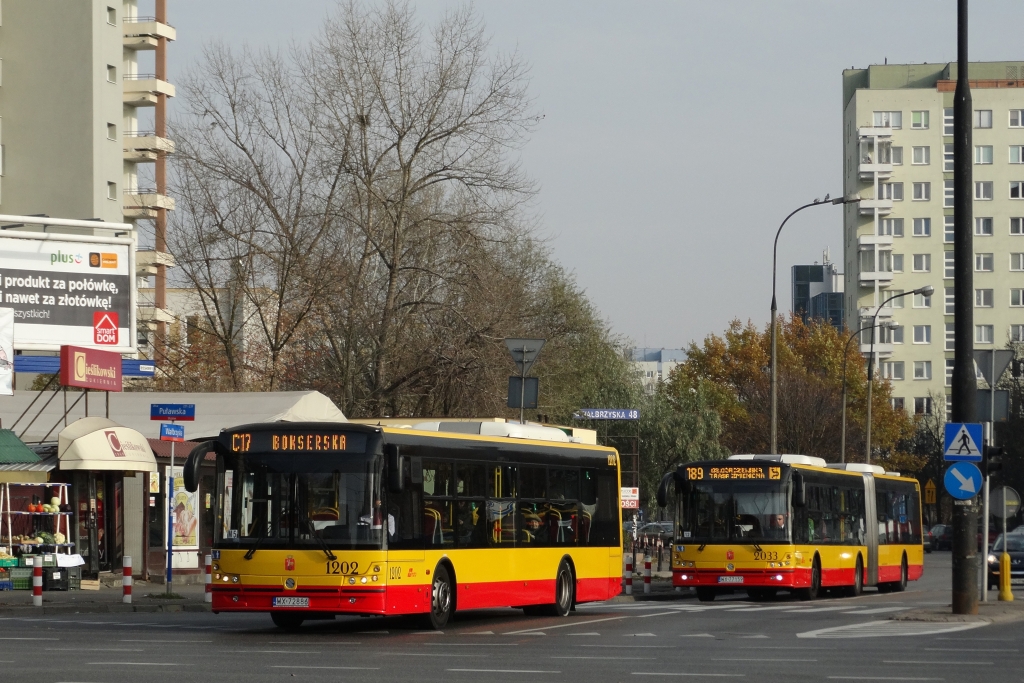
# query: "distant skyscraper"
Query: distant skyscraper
818,292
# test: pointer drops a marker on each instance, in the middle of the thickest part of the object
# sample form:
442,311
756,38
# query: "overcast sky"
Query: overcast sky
678,134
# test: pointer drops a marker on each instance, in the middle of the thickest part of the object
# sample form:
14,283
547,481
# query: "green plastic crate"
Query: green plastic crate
21,572
49,560
9,562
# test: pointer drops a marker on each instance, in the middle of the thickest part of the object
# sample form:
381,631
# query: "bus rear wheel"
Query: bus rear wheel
287,620
706,594
563,591
901,585
858,580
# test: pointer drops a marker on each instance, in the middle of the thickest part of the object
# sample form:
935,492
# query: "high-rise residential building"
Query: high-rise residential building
898,155
818,292
655,365
79,120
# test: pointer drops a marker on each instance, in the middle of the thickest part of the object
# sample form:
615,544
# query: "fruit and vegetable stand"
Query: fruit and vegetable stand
29,528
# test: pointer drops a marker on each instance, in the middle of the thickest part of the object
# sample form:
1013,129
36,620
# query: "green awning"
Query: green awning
14,451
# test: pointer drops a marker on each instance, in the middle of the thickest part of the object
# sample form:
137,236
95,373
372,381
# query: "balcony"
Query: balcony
142,90
869,278
868,206
144,203
881,240
142,147
881,351
147,260
868,169
865,313
151,315
874,132
143,33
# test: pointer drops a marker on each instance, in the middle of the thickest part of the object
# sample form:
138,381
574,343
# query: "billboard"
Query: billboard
6,351
90,368
66,289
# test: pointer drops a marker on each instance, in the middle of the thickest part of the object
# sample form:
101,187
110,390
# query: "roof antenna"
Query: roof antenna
886,60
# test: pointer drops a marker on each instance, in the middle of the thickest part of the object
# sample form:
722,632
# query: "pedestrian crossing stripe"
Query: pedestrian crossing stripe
962,441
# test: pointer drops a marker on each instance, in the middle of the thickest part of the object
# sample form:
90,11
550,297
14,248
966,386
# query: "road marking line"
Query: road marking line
504,671
758,635
274,652
761,659
696,635
680,673
635,635
135,664
92,649
164,641
646,659
835,609
588,633
878,610
430,654
29,638
927,661
575,623
631,647
345,668
951,649
874,629
880,678
481,633
657,614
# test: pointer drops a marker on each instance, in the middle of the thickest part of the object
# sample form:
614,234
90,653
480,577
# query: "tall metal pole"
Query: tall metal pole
846,352
964,384
522,389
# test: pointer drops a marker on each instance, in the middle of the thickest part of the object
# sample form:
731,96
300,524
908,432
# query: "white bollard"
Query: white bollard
126,580
647,574
37,582
208,579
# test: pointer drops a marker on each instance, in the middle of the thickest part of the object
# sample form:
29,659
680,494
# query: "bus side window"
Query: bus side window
407,509
604,523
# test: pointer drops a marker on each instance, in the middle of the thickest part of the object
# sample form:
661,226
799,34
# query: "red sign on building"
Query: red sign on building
90,368
104,327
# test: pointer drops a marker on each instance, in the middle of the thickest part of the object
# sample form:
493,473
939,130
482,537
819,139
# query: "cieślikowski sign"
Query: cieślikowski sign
70,290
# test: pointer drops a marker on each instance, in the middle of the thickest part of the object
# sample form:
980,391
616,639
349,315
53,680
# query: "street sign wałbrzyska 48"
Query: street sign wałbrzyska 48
963,442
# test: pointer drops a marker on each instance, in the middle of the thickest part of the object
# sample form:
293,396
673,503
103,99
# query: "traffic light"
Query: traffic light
992,460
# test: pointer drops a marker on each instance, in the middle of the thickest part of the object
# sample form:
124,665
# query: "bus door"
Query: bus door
406,573
871,532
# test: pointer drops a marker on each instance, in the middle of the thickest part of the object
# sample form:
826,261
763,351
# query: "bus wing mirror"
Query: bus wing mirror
192,464
396,468
799,491
662,495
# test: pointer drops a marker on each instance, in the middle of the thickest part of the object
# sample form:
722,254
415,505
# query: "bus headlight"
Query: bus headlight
234,579
992,559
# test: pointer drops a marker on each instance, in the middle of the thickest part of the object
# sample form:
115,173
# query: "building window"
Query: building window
1016,154
922,334
893,191
947,122
897,335
922,227
922,263
950,310
922,192
947,229
947,158
949,372
983,298
112,191
983,154
1017,226
947,194
948,263
950,337
897,403
983,227
983,190
922,301
111,131
982,118
1017,261
1017,118
111,74
896,265
896,156
922,156
891,226
888,119
1017,297
922,369
896,302
1017,189
983,334
893,370
923,405
919,120
983,263
1017,333
112,16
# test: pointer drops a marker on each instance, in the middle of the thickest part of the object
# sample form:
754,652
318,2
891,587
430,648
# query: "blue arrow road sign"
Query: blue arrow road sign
963,480
185,412
963,441
172,432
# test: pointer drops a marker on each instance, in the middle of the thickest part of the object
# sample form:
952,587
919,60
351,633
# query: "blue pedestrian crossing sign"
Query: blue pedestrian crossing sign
963,480
963,442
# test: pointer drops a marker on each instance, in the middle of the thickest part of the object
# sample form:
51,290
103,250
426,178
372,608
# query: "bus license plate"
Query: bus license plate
730,579
291,602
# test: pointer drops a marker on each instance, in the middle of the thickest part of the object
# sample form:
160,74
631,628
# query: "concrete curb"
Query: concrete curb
101,608
988,613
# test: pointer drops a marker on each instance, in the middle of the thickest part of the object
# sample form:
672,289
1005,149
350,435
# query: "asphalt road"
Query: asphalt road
831,639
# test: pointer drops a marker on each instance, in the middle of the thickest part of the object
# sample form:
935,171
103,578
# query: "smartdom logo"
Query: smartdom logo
102,260
114,443
104,327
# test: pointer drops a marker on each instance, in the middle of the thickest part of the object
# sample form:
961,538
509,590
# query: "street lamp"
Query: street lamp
775,250
927,290
846,352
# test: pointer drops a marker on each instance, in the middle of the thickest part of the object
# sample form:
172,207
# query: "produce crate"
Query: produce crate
5,574
62,578
6,585
20,572
9,562
49,560
22,584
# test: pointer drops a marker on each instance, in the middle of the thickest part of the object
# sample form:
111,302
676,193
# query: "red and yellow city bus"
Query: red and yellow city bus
319,519
764,523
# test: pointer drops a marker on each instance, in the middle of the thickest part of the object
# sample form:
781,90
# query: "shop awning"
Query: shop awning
18,462
96,443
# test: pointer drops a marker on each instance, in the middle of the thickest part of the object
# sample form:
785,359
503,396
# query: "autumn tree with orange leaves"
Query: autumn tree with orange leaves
733,370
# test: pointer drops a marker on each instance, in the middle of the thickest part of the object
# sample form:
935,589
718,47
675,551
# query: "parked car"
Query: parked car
943,536
1015,549
928,540
655,530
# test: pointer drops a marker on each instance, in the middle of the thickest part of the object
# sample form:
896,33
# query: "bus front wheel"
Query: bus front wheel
858,580
441,599
812,591
287,620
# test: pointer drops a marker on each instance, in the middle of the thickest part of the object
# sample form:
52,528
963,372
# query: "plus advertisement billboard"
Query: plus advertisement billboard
66,289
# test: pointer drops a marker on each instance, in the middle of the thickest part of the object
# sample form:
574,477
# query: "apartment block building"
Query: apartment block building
898,155
79,120
654,365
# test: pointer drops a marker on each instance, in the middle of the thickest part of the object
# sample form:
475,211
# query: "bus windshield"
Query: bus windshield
730,510
288,500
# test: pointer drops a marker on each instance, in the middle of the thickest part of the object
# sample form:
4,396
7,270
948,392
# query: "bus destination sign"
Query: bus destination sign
296,442
702,472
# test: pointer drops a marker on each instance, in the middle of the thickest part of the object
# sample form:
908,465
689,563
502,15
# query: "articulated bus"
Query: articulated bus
764,523
315,520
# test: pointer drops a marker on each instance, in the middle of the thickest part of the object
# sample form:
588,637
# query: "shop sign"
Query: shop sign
90,368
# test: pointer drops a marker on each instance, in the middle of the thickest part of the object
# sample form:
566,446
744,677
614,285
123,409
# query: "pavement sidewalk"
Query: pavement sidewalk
988,612
106,599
